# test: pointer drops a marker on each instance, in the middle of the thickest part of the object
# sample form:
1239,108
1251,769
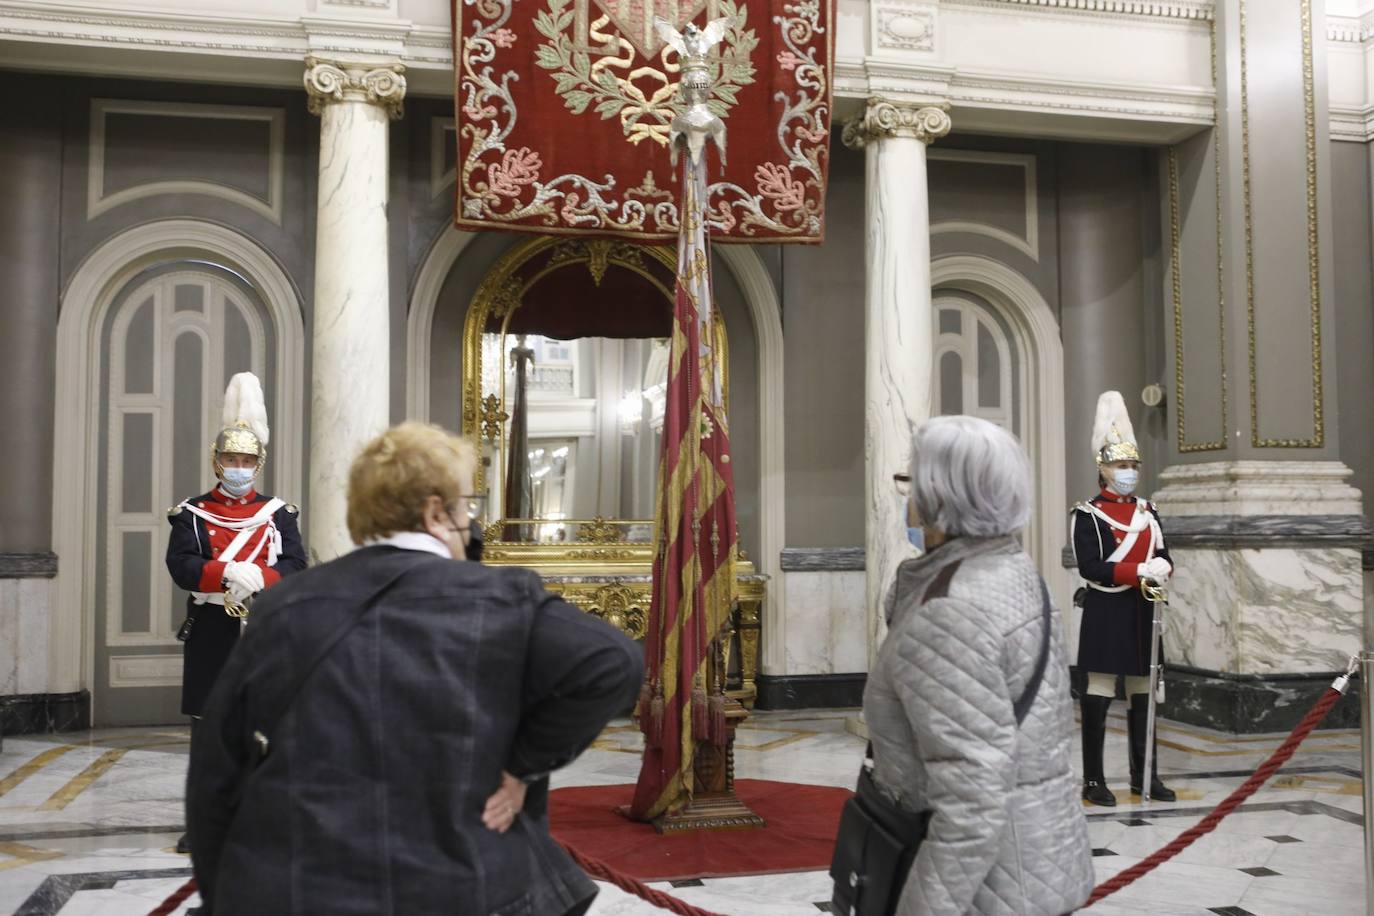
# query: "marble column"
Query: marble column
350,343
898,323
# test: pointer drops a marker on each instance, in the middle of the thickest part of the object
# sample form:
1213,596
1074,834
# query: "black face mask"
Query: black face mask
473,549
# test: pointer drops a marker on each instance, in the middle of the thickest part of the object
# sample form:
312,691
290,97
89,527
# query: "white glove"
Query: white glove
1158,569
243,580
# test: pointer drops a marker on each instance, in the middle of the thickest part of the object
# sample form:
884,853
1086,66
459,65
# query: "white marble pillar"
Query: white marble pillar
350,390
898,324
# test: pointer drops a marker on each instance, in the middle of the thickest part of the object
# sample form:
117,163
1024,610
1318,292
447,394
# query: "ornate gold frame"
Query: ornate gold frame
600,572
484,412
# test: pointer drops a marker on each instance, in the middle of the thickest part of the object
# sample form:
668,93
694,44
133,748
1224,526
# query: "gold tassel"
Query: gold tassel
654,736
718,727
700,716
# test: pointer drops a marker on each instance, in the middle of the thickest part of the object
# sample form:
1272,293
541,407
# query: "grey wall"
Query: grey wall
1352,249
30,157
822,291
1110,311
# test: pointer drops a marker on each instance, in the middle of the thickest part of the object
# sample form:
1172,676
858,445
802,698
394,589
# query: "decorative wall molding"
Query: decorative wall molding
1029,243
98,202
1239,488
903,26
1354,125
1176,290
1193,10
1318,437
440,135
145,671
215,46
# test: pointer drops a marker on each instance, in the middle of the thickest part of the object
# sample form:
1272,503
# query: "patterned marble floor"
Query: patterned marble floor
87,822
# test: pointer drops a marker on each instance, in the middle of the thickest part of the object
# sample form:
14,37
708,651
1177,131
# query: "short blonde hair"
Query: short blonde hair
398,471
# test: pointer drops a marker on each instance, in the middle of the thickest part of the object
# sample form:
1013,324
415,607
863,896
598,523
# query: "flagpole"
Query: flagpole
686,779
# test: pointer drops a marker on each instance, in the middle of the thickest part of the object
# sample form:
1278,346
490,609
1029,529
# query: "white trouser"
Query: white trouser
1104,685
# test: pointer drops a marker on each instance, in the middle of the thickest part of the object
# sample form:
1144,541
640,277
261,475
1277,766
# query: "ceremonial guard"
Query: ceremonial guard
1121,555
229,544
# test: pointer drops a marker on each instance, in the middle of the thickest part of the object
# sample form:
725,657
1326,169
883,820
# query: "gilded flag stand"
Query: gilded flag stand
686,779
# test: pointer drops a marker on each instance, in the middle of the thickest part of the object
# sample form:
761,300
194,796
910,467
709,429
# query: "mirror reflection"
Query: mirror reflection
570,353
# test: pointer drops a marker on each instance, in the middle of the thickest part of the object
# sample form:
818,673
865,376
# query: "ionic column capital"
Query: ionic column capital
883,118
329,81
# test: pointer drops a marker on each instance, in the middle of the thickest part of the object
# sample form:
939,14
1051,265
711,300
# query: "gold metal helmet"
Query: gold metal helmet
245,430
1113,435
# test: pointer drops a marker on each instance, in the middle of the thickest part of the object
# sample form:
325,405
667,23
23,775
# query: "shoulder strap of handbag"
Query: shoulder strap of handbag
939,588
263,733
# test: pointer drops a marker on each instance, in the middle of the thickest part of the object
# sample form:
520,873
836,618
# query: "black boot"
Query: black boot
183,847
1135,727
1094,735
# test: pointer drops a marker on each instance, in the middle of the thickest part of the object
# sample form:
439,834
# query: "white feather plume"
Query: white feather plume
244,403
1111,425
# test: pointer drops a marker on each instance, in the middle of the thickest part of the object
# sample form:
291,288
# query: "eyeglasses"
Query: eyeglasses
475,506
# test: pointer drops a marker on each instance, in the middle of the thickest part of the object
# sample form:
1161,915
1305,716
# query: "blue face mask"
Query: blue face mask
916,536
237,481
1124,480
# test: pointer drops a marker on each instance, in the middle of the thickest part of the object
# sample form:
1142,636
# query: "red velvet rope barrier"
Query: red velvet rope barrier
598,869
168,906
594,867
1232,801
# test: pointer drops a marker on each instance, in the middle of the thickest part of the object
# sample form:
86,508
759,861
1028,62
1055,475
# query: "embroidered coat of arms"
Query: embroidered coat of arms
564,110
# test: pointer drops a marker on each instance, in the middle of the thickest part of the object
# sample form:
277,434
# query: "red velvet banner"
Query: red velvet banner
563,109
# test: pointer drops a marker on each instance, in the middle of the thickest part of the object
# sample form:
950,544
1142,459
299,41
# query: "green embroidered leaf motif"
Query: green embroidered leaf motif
608,108
548,58
577,100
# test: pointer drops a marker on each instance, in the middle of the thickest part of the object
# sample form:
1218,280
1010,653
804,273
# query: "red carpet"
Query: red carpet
800,835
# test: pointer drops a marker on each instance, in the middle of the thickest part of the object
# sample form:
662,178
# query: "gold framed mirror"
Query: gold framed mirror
565,358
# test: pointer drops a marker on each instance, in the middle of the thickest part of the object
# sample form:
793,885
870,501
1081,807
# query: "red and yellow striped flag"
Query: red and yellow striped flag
696,540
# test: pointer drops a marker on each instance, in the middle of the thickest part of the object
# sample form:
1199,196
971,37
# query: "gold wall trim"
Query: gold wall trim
1318,437
1176,276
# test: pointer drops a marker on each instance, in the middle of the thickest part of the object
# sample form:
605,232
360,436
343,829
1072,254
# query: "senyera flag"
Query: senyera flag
696,538
562,110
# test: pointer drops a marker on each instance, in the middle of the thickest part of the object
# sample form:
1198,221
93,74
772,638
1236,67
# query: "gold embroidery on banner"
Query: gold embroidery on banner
501,181
631,79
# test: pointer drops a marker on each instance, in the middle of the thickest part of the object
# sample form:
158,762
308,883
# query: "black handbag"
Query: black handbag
877,841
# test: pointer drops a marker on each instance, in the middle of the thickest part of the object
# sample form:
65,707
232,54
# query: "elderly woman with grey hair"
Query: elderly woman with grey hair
960,727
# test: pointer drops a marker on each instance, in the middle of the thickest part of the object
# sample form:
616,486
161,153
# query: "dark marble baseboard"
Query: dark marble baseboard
810,691
1241,531
822,559
28,565
44,713
1250,704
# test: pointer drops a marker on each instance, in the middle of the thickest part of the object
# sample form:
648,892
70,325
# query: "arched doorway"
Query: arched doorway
997,344
745,272
152,325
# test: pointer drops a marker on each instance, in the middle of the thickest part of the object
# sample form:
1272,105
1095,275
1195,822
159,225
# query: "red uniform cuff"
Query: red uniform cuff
1126,573
270,577
212,576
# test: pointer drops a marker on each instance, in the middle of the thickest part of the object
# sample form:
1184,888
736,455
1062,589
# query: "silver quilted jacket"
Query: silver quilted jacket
1007,832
